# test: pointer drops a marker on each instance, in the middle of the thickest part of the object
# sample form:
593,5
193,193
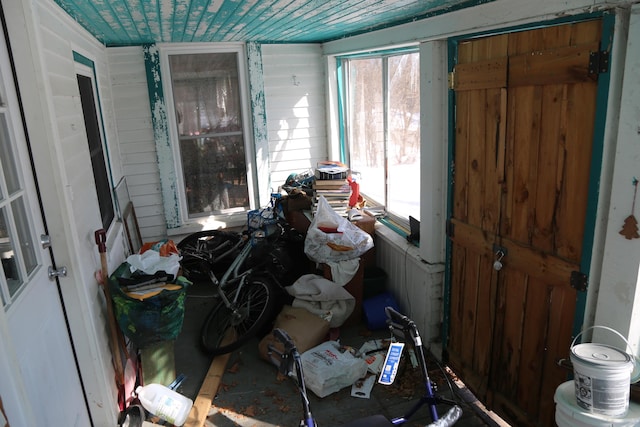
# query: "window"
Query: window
210,132
381,98
85,74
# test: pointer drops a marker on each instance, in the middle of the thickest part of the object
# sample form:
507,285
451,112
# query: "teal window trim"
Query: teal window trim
397,228
341,103
381,52
159,120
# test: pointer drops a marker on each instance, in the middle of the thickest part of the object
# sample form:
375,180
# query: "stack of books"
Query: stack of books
336,191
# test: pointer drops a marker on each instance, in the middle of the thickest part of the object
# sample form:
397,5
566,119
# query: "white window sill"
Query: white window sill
214,222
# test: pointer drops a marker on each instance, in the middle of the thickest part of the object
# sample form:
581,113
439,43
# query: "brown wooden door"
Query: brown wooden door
525,106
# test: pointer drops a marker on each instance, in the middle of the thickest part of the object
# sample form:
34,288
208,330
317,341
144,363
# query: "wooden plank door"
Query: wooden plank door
525,106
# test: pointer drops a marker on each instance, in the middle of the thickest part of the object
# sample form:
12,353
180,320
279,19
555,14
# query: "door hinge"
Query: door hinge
598,62
451,78
449,229
579,281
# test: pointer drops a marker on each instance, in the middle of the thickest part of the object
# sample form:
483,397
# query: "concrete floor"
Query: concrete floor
252,394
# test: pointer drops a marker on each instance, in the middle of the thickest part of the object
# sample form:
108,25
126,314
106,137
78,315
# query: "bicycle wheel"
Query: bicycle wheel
207,247
254,308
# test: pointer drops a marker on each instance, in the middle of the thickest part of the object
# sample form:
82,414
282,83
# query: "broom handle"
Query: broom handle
114,342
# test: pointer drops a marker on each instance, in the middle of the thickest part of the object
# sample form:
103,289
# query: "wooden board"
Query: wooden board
209,388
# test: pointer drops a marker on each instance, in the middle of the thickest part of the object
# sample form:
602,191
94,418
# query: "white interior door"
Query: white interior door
40,384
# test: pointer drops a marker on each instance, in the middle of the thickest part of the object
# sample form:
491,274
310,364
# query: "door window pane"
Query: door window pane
206,95
27,248
7,158
8,252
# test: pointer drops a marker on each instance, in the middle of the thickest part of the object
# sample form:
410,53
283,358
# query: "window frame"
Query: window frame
342,88
85,67
197,48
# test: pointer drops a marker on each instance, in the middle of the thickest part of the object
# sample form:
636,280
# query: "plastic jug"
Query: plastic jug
165,403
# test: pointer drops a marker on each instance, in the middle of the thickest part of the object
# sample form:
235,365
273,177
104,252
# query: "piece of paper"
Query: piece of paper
362,388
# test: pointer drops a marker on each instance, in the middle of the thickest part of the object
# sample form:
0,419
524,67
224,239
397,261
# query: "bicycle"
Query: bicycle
400,326
253,267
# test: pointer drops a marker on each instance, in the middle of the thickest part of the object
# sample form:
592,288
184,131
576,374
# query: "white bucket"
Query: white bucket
602,375
569,414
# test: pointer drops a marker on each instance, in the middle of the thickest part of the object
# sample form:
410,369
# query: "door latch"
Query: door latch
60,272
500,252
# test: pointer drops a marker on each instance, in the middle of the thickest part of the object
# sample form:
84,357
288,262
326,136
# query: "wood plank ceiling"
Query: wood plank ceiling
135,22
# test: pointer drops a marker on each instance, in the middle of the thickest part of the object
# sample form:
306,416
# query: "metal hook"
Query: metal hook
497,264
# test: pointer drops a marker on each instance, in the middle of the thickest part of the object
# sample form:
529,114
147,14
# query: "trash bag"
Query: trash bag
151,320
332,238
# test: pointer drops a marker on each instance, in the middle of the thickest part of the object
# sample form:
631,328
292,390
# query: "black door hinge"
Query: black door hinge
449,228
579,281
599,62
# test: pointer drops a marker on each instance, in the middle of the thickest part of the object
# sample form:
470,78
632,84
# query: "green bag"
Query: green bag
152,320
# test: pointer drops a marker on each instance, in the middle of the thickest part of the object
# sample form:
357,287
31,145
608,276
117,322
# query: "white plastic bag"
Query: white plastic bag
331,237
151,262
329,368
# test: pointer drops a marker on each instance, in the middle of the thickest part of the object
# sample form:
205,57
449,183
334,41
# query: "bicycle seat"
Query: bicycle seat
371,421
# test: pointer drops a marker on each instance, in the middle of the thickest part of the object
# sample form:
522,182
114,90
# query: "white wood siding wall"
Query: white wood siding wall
295,101
135,133
417,286
71,194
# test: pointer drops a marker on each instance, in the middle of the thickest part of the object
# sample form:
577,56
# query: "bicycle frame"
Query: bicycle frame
232,275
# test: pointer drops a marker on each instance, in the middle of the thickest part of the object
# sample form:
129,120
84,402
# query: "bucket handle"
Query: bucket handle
636,366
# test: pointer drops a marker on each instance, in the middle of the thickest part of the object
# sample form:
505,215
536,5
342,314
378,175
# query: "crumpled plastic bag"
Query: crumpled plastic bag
331,237
329,368
150,262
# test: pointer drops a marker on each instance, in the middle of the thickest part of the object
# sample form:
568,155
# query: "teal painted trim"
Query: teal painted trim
386,221
341,112
81,59
446,309
379,53
606,43
259,118
159,119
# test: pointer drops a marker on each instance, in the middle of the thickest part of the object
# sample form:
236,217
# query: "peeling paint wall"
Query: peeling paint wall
164,151
259,119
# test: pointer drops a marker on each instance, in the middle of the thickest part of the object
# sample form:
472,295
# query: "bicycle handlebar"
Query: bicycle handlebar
397,318
282,336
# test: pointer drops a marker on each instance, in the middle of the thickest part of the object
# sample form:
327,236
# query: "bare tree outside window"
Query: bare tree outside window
383,129
208,116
